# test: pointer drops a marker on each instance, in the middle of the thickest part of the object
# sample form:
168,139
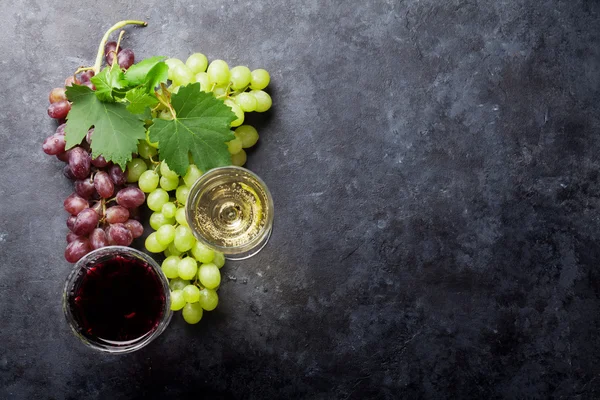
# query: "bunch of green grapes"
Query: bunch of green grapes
192,268
238,87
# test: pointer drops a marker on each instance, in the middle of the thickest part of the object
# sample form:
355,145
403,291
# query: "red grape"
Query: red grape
86,76
71,236
130,197
109,52
125,58
85,188
117,175
135,227
74,204
117,214
119,234
59,110
79,162
71,80
77,249
104,186
100,162
56,95
98,238
86,221
54,145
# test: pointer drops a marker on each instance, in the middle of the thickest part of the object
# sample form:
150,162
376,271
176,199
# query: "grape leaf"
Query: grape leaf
139,100
116,130
149,72
200,128
108,80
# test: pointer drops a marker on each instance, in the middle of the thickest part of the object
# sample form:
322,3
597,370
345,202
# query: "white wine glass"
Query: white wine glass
230,209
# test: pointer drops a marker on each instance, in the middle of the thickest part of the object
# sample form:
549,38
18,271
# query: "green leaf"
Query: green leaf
108,80
201,128
139,100
116,130
157,75
149,72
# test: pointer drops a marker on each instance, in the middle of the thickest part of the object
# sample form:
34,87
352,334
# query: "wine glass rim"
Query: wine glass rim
257,243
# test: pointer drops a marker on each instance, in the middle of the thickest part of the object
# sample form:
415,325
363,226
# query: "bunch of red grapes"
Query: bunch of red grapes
104,208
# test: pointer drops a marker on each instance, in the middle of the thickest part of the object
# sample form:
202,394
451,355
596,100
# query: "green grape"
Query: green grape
166,171
260,79
173,250
181,194
172,63
240,77
234,146
152,245
202,253
170,267
168,183
263,100
178,284
182,75
246,101
197,62
145,150
219,259
191,293
169,209
208,299
184,238
218,72
237,111
247,134
187,268
209,275
192,313
219,91
192,175
239,159
157,199
180,217
148,181
165,234
135,168
202,78
158,219
177,300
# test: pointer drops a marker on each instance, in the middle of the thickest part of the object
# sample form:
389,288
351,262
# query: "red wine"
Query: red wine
118,299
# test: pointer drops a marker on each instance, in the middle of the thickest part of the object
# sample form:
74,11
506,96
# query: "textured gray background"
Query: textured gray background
434,166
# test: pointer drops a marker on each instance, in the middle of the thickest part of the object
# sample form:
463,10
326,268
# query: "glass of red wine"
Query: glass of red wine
117,299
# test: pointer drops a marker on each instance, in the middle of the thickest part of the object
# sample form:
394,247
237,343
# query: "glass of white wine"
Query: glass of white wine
230,209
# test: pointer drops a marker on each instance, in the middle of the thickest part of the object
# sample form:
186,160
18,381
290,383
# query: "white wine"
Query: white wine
231,210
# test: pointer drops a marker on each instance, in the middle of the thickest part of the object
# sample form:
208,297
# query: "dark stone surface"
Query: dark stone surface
435,173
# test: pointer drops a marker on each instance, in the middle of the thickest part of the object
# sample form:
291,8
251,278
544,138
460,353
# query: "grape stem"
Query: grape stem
164,98
81,69
157,163
226,94
113,28
116,50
